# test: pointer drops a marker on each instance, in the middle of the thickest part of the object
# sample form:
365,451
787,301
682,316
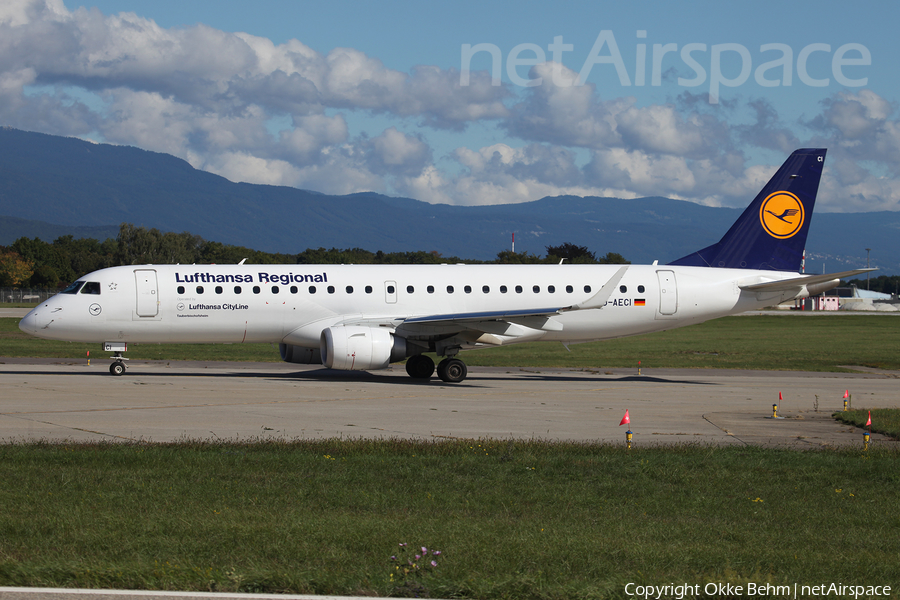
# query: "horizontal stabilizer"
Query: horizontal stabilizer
798,282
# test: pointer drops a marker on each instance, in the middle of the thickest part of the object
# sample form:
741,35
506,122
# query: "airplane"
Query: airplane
365,317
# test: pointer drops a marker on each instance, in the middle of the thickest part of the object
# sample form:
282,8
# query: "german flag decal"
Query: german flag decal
639,302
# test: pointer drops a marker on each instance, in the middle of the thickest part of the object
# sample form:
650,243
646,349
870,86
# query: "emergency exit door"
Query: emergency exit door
390,292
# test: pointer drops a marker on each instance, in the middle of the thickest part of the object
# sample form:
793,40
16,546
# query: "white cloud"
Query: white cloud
311,135
661,129
394,152
565,114
640,173
240,166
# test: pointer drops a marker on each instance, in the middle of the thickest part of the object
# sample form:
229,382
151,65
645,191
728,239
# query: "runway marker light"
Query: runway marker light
626,420
775,410
639,367
866,436
89,357
846,400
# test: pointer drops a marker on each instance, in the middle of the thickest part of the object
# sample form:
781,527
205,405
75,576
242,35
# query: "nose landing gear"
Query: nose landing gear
117,368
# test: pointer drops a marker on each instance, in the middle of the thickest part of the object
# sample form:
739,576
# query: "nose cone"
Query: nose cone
28,324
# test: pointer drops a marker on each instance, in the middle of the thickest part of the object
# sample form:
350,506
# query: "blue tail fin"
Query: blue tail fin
771,233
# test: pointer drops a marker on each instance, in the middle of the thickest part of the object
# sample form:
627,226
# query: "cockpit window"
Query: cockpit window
73,289
91,287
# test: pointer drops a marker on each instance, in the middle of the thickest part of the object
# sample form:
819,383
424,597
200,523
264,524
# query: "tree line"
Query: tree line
34,263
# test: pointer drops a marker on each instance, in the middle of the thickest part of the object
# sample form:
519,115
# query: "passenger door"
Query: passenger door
668,293
147,296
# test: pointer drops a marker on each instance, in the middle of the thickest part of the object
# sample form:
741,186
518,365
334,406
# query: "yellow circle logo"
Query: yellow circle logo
781,214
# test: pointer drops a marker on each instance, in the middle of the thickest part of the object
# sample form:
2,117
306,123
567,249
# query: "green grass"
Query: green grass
768,342
522,519
884,420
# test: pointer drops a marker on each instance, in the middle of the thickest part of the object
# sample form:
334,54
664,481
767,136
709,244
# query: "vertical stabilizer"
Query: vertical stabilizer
771,233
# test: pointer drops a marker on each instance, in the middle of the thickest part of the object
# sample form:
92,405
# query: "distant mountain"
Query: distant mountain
58,186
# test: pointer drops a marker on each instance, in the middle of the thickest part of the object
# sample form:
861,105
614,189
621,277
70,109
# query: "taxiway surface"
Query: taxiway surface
56,399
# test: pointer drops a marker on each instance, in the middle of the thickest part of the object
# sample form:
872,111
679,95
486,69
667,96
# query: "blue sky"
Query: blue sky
343,96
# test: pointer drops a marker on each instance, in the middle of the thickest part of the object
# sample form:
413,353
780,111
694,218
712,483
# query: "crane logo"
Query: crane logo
782,215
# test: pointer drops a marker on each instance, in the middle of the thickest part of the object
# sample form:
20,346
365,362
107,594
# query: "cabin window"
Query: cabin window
91,287
551,289
623,288
468,289
237,289
485,289
518,289
502,289
430,289
255,289
640,289
536,289
391,290
569,289
312,289
449,289
73,289
410,289
587,289
330,289
368,289
274,289
199,289
218,289
180,290
294,289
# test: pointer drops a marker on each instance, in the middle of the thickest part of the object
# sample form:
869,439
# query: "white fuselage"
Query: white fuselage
293,304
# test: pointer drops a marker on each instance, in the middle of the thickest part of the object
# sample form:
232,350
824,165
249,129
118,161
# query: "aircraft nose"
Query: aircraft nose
28,324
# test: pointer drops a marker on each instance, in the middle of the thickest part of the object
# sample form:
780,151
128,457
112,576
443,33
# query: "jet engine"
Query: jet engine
299,354
356,348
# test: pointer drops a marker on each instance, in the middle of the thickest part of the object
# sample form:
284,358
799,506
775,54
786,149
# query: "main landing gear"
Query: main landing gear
450,370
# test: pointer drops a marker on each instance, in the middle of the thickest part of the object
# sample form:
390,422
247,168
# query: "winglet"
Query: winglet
599,299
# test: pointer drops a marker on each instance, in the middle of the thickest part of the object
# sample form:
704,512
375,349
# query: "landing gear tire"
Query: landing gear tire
452,370
117,368
420,367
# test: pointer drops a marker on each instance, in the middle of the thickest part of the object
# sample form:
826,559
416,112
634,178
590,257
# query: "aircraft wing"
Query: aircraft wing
794,283
499,315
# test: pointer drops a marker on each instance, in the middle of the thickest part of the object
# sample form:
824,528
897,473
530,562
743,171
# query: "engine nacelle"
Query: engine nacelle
300,354
357,348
